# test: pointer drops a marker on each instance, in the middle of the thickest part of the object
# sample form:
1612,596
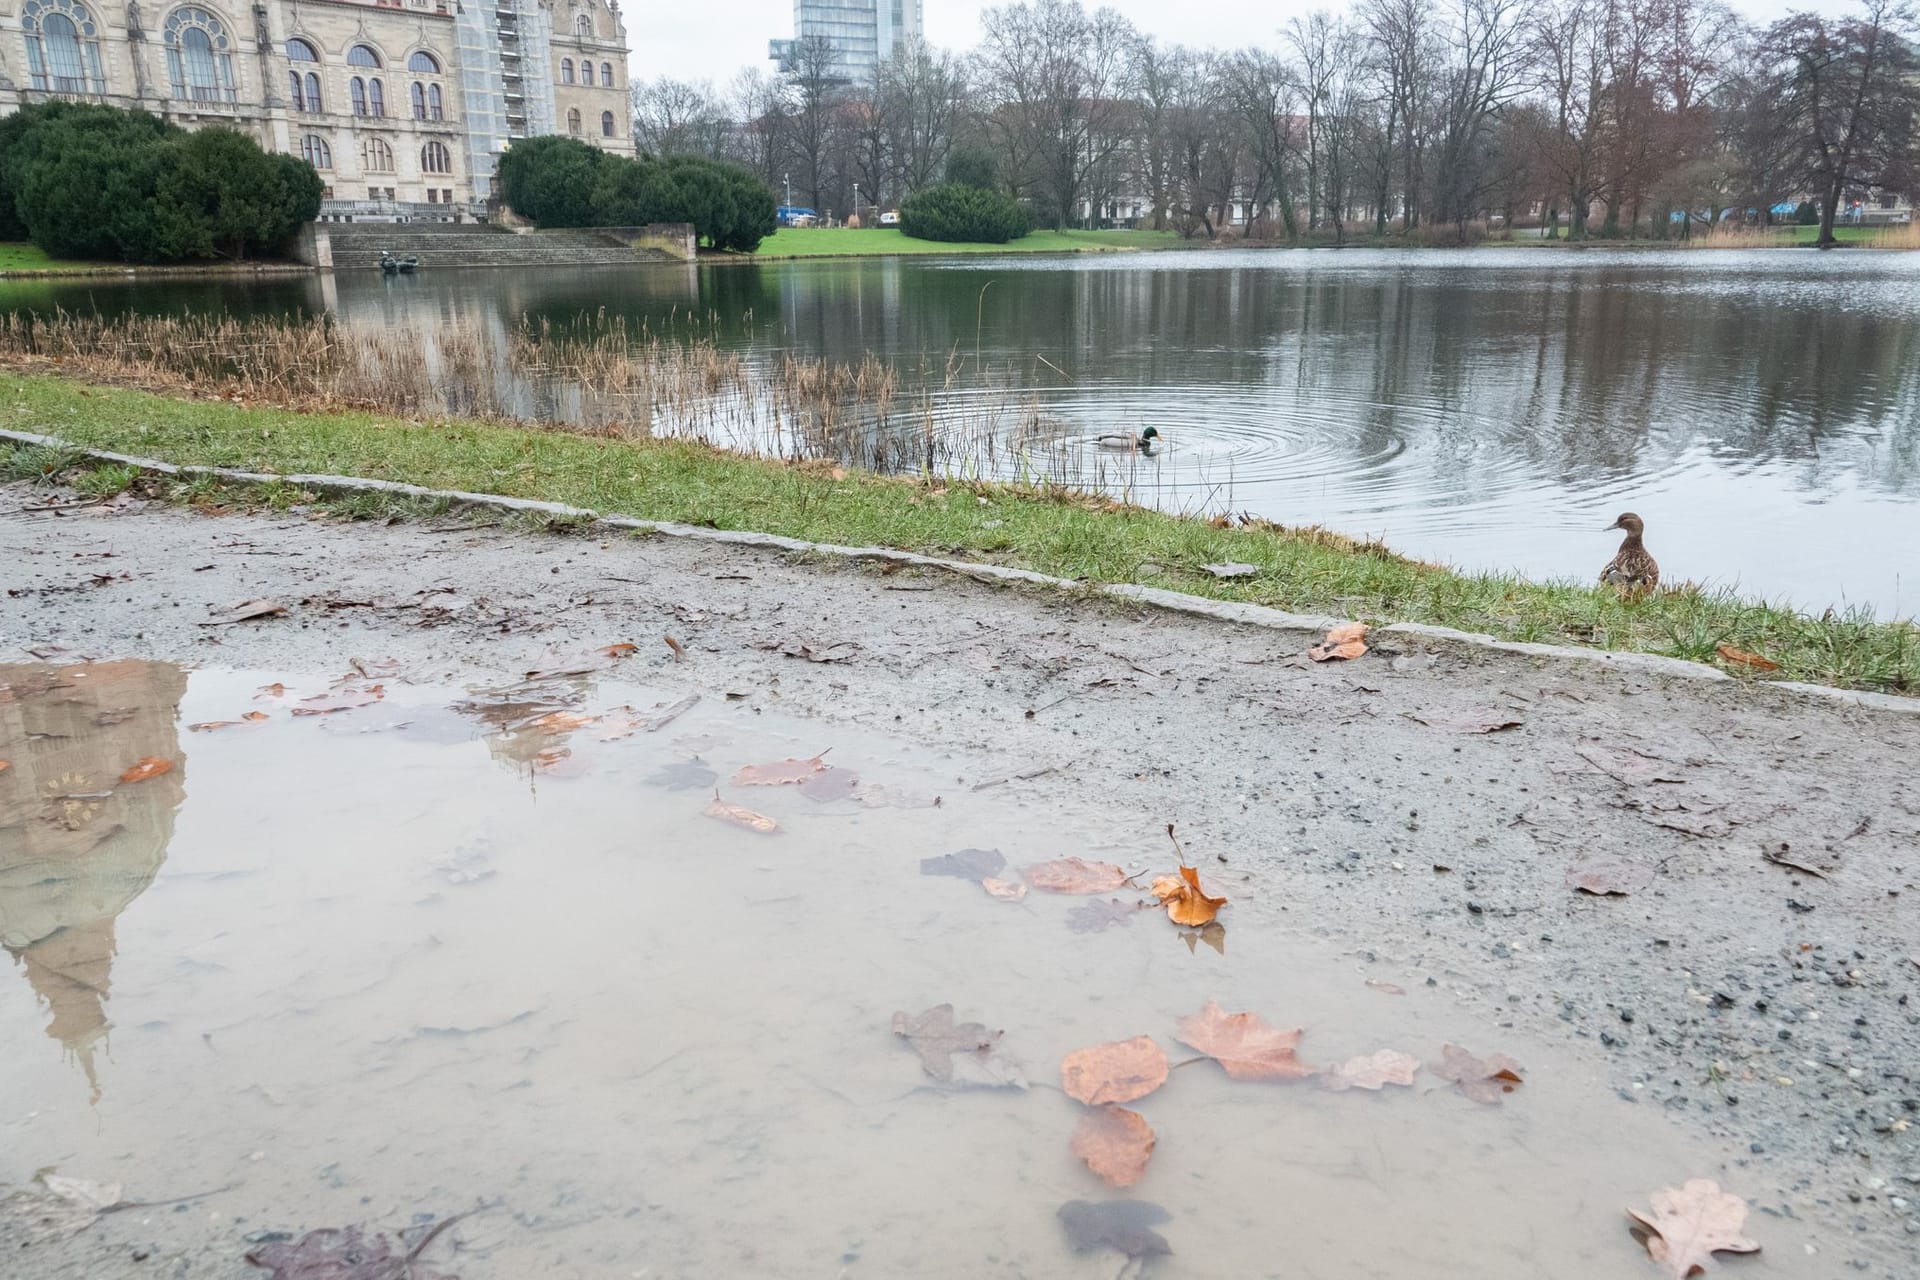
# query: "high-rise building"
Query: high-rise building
863,34
403,106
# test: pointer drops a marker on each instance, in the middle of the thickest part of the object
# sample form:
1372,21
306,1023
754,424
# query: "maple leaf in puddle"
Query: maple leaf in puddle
1487,1079
965,1055
683,775
1690,1224
1244,1045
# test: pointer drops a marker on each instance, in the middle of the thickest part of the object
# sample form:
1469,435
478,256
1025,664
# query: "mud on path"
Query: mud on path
1406,819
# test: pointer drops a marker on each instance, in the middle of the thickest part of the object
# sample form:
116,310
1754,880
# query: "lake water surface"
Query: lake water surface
1489,408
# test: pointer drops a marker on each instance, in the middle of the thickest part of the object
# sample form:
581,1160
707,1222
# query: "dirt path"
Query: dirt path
1365,803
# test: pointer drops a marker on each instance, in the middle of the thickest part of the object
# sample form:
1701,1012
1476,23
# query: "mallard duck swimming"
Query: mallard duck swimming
1142,443
1631,567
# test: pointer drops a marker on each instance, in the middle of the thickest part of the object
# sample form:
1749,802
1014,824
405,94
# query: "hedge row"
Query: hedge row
561,182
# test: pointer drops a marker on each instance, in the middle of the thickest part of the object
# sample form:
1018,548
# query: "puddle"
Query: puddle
417,957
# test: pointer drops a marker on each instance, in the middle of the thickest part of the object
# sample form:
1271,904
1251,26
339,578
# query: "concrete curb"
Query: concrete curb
1230,611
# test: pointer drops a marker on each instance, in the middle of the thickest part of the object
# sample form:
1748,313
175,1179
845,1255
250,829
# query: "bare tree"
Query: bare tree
1484,71
815,89
761,110
1055,79
1262,93
678,117
1402,40
1849,89
1153,80
1570,69
921,93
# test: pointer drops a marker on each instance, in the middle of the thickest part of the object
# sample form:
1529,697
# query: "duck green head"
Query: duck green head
1149,435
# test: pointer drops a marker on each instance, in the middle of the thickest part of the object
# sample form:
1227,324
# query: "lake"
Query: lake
1487,408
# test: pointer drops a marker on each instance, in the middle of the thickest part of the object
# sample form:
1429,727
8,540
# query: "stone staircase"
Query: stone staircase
356,246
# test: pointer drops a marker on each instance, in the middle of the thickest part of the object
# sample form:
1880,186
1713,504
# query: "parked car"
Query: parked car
891,218
795,216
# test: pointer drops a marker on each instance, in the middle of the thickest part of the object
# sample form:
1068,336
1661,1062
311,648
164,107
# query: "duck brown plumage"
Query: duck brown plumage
1632,566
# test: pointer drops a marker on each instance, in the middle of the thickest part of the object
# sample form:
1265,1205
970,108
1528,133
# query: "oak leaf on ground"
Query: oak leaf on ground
1185,901
1487,1079
1742,658
1118,1071
1342,642
1243,1044
1073,875
1115,1143
1690,1224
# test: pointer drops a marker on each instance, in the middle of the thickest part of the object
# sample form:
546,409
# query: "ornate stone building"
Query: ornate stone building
403,106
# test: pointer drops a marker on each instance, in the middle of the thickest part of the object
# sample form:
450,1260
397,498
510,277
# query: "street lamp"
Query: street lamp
856,202
788,179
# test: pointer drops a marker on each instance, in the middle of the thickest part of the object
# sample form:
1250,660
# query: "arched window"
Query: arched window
63,47
434,110
419,101
566,71
376,98
357,91
586,71
305,84
424,63
299,50
376,156
573,119
362,56
606,74
199,64
315,151
435,158
583,26
606,124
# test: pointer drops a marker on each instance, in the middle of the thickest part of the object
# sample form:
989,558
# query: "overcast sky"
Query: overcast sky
711,40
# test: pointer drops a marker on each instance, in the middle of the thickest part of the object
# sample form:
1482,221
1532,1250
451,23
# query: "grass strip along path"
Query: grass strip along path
1068,534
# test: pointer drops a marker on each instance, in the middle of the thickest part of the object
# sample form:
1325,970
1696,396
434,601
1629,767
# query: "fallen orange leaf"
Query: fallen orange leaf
679,650
1186,902
1118,1071
621,650
1346,641
1372,1071
1485,1079
5,765
1690,1224
146,767
1073,875
274,690
1008,890
1115,1143
1741,658
740,817
780,773
1243,1044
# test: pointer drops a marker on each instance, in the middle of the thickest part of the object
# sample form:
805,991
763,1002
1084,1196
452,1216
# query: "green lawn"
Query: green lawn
825,242
1066,534
25,257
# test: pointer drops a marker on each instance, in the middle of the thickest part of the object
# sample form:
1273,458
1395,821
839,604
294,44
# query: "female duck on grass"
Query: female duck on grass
1632,567
1142,443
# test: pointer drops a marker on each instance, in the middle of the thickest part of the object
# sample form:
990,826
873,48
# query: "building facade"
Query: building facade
402,106
863,33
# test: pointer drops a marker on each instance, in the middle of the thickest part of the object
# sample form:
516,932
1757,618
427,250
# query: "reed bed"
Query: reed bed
598,375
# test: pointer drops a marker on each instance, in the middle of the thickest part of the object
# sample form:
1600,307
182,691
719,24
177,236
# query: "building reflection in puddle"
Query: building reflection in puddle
77,845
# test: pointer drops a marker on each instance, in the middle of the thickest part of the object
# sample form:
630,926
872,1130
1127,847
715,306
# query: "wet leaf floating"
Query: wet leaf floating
624,722
274,690
968,864
1690,1224
146,767
1244,1045
1600,875
1097,917
1115,1143
1486,1079
207,726
1371,1071
830,784
1118,1071
1005,890
966,1054
1126,1225
1185,901
780,773
684,775
740,817
345,1254
1741,658
246,611
1341,643
323,704
1073,875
